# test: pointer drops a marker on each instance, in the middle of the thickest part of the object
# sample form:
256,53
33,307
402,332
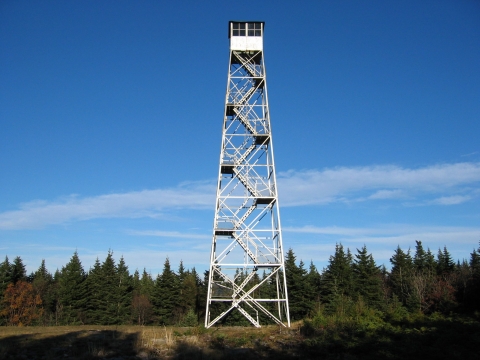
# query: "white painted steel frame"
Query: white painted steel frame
247,258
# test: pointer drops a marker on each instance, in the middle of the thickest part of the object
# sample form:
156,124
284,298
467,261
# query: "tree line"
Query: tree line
108,294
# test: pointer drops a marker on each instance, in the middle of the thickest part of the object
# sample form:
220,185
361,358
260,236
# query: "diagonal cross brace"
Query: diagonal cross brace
246,296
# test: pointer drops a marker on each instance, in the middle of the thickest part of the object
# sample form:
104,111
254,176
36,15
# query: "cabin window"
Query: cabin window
242,29
239,29
254,29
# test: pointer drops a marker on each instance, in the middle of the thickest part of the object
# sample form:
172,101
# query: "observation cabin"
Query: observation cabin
246,35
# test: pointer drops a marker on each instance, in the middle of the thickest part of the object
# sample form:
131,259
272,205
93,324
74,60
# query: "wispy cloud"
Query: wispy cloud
146,203
393,233
451,200
169,234
470,154
376,182
446,184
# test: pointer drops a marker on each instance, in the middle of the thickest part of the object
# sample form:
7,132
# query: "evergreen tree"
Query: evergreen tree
43,286
5,280
337,279
401,275
367,278
136,281
201,298
181,272
474,261
124,292
18,271
94,294
183,289
187,292
142,308
423,278
165,296
314,281
420,258
109,296
445,263
146,284
5,275
71,292
430,261
299,290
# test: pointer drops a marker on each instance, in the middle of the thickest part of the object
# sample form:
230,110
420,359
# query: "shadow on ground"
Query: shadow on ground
86,344
119,345
416,340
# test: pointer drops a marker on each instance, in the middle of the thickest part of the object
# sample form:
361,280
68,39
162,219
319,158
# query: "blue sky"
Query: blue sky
111,115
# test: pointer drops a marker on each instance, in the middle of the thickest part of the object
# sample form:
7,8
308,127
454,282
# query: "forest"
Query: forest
418,283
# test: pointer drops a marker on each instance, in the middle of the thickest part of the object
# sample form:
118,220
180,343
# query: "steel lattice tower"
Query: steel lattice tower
247,267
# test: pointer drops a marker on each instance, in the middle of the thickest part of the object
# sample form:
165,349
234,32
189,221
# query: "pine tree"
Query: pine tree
314,280
367,278
146,284
423,278
165,296
141,307
445,263
474,261
5,280
181,272
201,298
401,275
187,292
299,290
5,275
136,281
71,292
420,258
18,271
94,294
109,297
43,286
124,292
183,301
337,279
430,264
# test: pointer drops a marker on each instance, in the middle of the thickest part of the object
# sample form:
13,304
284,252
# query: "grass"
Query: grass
319,338
137,342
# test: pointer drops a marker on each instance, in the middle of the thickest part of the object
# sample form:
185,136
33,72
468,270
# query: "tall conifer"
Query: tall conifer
299,289
5,275
71,291
445,263
166,296
124,291
337,279
367,278
18,271
401,275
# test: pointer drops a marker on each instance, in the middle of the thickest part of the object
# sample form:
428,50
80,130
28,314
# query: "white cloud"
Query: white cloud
451,200
310,187
446,184
169,234
135,204
390,232
387,194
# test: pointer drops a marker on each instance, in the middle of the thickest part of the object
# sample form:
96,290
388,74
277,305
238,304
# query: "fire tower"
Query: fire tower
247,267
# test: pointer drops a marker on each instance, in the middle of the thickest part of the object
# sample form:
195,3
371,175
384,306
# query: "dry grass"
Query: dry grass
149,342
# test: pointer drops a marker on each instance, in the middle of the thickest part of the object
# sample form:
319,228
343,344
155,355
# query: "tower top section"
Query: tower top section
246,35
